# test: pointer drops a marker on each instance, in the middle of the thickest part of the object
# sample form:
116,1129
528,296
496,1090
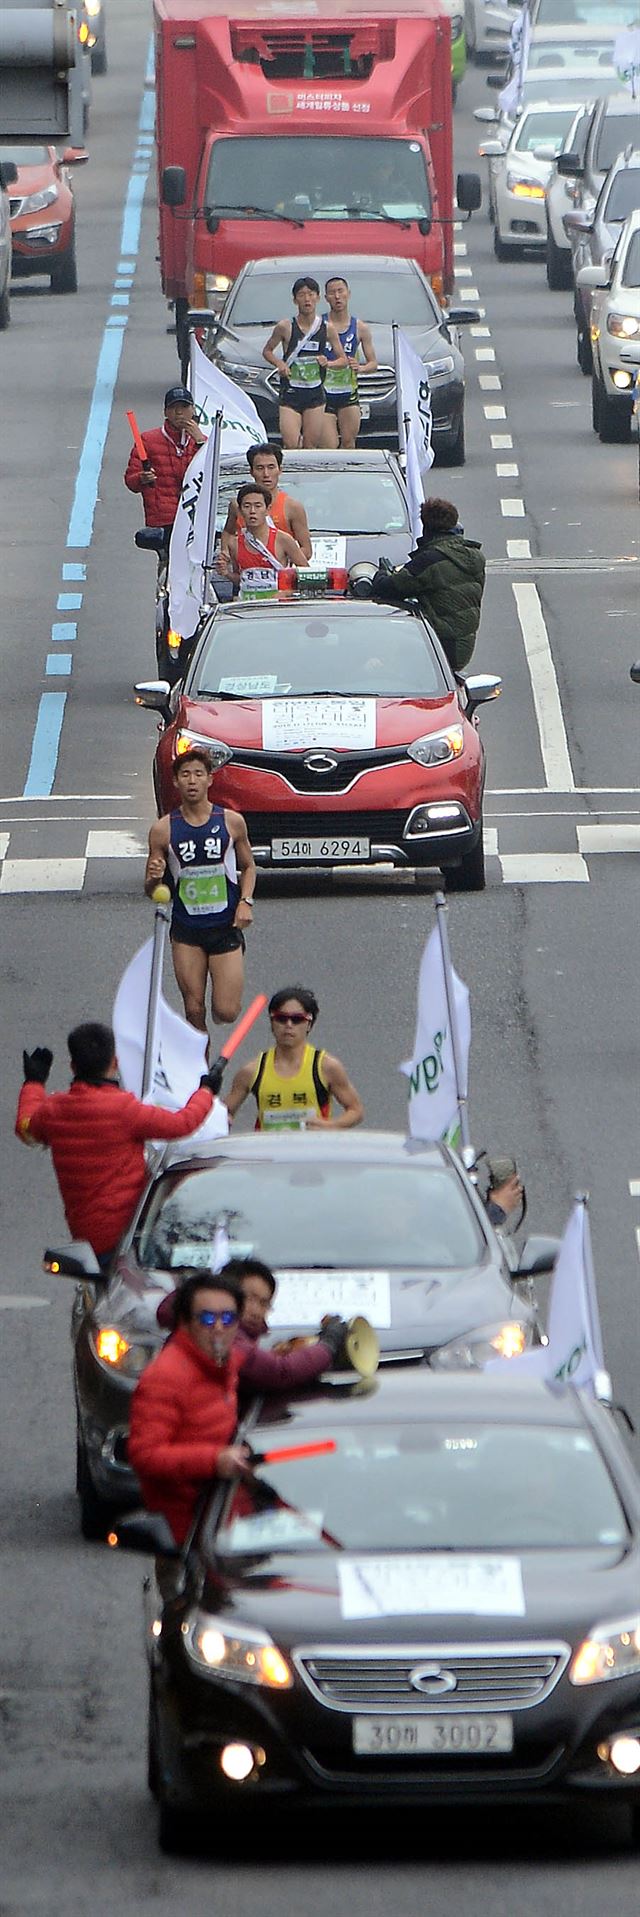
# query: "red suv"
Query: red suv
43,216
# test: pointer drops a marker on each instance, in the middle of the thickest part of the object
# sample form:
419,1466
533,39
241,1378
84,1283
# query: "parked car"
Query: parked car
559,198
614,294
43,216
593,237
518,176
383,289
8,177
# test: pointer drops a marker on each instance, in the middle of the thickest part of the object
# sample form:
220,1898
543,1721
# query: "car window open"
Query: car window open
464,1487
318,651
336,502
297,1215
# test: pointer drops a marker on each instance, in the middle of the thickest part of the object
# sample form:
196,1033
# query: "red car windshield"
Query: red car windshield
372,651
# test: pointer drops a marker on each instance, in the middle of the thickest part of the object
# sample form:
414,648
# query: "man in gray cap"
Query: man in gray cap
169,449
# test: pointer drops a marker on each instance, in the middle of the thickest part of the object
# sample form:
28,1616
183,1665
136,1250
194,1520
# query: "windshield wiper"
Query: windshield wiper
204,693
254,213
376,213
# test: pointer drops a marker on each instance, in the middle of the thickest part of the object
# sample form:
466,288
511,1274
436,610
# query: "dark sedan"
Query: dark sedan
383,289
439,1604
364,1223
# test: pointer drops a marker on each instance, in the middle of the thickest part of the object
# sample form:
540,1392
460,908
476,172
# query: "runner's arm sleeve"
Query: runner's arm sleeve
152,1121
31,1118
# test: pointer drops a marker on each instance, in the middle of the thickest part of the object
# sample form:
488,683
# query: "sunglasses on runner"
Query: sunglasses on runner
211,1318
289,1018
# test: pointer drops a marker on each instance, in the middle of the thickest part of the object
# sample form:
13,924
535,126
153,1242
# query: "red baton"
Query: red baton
243,1026
138,440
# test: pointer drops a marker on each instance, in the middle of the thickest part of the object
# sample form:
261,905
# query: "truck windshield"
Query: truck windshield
321,178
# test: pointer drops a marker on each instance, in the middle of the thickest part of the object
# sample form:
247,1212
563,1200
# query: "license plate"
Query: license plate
439,1736
319,851
365,409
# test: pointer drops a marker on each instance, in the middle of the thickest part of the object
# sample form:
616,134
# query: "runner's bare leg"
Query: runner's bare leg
290,423
349,420
190,967
226,971
312,423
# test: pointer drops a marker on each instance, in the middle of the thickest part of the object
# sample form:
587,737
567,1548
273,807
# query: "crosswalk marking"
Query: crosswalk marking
544,868
114,845
43,875
600,836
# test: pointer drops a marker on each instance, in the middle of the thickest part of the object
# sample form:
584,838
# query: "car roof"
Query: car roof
549,106
411,1394
361,1147
301,606
568,33
614,104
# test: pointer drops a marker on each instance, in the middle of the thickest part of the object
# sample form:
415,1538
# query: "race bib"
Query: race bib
340,379
305,372
286,1121
202,893
257,583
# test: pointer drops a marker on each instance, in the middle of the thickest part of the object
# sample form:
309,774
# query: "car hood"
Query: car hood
239,721
295,1597
428,341
528,166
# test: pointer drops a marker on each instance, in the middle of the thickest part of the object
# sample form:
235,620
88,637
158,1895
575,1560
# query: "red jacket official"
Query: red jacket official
184,1412
170,454
96,1134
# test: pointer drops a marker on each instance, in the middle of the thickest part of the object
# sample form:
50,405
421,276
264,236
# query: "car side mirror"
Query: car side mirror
496,80
424,227
150,539
491,150
174,185
144,1531
153,693
634,672
486,115
8,173
538,1256
577,222
463,315
593,278
75,156
468,192
570,166
77,1260
212,222
480,688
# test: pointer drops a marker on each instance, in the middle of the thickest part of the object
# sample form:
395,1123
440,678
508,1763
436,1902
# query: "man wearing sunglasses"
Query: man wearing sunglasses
184,1409
294,1083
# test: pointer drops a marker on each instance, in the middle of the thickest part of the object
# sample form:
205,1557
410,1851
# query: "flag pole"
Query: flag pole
207,568
153,1007
447,968
402,435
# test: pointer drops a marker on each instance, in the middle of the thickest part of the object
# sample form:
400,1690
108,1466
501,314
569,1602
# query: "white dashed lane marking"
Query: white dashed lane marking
512,508
554,748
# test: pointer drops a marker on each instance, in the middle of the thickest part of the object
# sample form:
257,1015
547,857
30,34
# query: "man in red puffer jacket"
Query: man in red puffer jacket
170,449
96,1134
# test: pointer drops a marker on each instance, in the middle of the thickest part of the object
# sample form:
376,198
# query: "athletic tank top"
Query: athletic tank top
341,381
277,513
202,863
305,373
283,1102
258,580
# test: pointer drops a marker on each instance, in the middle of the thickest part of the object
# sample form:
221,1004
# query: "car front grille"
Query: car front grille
304,778
379,827
494,1677
371,386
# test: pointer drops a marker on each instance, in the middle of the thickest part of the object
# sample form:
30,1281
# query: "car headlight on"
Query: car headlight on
128,1356
437,748
524,189
623,325
479,1347
440,368
35,202
223,1651
217,283
93,8
611,1650
219,752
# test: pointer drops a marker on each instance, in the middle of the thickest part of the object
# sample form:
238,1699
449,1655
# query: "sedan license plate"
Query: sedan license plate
440,1736
319,851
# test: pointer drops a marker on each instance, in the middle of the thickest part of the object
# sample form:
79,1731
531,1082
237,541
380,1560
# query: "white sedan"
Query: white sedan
615,333
518,176
487,26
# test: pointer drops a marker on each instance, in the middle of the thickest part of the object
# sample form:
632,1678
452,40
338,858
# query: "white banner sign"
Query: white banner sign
304,1297
290,724
433,1092
436,1584
415,404
188,547
574,1354
213,393
181,1055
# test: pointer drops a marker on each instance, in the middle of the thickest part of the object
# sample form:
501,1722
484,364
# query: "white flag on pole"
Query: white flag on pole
574,1354
433,1092
509,98
181,1052
213,393
188,547
626,59
415,405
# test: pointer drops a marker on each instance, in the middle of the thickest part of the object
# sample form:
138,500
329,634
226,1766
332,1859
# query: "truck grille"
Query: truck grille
493,1678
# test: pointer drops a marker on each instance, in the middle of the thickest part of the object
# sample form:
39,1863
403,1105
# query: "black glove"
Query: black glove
37,1065
213,1078
333,1331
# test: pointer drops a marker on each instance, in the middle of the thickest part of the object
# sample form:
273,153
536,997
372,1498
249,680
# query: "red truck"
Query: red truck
311,129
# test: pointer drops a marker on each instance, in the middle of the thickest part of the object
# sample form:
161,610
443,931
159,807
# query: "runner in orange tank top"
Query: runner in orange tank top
258,552
287,514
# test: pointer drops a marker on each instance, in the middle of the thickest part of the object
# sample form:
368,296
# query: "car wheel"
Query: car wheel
614,425
584,354
454,452
153,1765
558,265
501,251
95,1515
595,401
64,276
176,1830
5,309
470,876
99,60
634,1814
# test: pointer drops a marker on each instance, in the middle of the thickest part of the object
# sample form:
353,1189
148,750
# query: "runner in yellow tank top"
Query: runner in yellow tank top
293,1083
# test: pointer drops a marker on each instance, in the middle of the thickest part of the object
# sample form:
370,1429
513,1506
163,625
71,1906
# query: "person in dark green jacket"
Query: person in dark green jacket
445,573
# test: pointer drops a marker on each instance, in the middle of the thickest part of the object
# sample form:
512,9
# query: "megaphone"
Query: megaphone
361,1347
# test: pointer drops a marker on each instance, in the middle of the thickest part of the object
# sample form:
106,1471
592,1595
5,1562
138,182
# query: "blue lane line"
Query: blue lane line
69,601
64,632
119,299
44,750
88,479
59,664
130,239
74,569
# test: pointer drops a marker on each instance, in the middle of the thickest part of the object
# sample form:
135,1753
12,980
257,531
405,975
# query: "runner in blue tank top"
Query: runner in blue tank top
301,365
206,852
342,417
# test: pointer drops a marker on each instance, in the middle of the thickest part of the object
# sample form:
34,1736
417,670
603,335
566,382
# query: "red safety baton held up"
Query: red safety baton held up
240,1030
138,440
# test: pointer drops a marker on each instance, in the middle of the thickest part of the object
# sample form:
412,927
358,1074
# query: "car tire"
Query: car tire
5,309
64,276
470,875
595,401
95,1515
99,60
614,425
176,1830
584,354
153,1762
454,452
501,251
558,265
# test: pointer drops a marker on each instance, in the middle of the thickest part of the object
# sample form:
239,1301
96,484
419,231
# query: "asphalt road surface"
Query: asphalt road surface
549,952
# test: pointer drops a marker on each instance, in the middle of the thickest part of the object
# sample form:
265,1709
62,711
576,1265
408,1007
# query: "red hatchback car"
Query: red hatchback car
340,732
43,215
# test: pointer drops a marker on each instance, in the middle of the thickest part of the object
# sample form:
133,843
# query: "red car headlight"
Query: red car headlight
437,748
